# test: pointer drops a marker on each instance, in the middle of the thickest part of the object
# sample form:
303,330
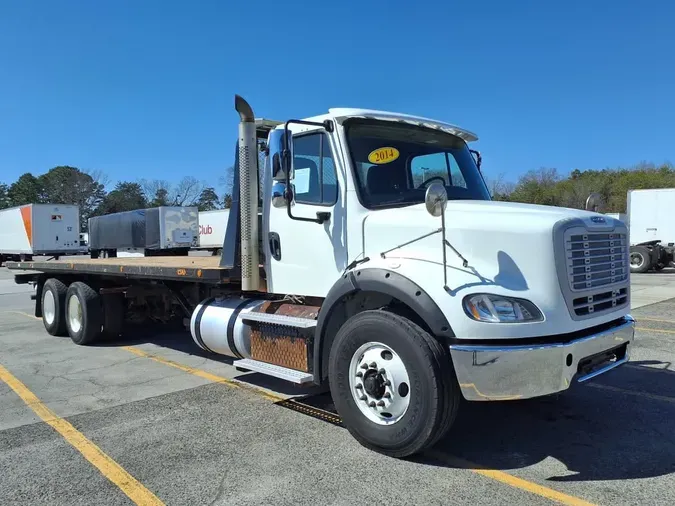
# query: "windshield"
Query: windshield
395,163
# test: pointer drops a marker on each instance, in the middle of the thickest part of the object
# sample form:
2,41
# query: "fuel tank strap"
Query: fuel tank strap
230,328
198,324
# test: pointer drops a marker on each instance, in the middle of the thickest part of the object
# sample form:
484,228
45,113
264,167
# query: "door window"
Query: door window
315,180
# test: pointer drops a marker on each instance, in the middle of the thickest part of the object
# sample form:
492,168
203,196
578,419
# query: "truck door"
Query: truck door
302,257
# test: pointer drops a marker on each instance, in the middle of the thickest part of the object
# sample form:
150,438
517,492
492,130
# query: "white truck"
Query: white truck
651,230
374,262
39,229
212,226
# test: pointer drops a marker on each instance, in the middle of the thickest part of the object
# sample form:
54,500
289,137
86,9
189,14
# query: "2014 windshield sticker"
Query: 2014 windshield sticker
383,155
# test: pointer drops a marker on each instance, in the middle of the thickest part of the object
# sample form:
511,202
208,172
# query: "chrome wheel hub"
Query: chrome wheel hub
379,383
74,313
49,307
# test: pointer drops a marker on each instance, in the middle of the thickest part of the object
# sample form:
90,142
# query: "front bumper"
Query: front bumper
494,373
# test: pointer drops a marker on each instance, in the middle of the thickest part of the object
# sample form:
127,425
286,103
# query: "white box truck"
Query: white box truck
212,226
39,229
400,292
651,229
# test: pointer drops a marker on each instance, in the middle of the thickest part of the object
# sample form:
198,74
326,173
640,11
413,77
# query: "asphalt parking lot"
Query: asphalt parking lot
152,420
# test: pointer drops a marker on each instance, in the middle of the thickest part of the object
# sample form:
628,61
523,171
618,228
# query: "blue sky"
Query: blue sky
144,89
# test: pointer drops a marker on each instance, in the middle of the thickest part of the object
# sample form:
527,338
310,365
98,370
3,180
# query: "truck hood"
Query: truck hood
504,241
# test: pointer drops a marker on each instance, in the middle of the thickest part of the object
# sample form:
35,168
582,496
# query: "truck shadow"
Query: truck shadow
178,339
618,427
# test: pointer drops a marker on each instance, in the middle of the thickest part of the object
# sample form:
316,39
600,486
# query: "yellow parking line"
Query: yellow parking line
510,480
636,393
203,374
645,329
500,476
640,318
107,466
32,317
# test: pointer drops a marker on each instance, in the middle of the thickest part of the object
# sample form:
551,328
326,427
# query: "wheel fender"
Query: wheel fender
385,282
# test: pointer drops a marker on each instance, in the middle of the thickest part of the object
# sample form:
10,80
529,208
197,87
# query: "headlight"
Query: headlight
485,307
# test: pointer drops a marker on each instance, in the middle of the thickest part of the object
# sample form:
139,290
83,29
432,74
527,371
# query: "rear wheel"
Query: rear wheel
640,259
53,304
84,315
392,383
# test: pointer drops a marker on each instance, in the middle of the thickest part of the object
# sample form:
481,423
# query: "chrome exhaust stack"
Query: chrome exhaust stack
248,196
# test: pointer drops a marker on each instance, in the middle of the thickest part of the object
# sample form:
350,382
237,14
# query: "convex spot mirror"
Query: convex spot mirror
281,157
436,199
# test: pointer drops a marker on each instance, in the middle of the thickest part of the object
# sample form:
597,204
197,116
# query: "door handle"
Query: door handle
275,245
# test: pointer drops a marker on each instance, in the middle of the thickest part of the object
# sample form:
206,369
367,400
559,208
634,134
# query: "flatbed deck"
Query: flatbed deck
194,268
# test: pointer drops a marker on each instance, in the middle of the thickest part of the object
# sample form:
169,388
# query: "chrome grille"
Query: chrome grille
596,260
597,270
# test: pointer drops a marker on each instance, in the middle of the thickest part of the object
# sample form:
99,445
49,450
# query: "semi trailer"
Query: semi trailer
651,231
39,229
373,261
212,226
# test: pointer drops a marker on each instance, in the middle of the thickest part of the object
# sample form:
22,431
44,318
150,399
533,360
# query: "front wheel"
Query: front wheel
392,383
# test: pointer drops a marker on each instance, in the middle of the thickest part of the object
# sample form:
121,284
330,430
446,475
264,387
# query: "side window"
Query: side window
424,167
442,165
315,180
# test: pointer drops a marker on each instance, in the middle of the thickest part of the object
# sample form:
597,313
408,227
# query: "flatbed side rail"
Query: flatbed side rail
206,275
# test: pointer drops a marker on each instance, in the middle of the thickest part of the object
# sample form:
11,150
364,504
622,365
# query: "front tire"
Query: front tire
392,383
53,304
84,314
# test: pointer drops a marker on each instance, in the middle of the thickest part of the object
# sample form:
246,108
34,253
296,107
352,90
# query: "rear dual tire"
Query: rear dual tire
417,406
83,313
53,304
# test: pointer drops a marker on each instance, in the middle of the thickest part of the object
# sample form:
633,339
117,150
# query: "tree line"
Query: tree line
87,189
547,186
70,185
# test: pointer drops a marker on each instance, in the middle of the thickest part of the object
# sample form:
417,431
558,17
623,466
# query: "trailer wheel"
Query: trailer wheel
640,259
53,307
84,315
392,383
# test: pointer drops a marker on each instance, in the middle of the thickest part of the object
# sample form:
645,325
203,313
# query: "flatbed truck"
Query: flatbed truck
366,255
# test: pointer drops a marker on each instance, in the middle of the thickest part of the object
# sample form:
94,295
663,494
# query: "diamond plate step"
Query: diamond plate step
298,377
279,319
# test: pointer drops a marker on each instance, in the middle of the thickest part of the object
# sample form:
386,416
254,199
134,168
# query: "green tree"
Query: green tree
227,201
25,190
125,197
161,198
70,185
208,200
4,196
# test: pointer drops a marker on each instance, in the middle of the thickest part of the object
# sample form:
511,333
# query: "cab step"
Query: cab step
279,319
297,377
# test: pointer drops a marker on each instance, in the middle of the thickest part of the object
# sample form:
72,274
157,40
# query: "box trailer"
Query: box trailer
651,228
401,293
39,229
212,226
164,230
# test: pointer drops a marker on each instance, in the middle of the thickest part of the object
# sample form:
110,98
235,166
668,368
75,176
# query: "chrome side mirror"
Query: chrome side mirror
280,194
436,199
281,165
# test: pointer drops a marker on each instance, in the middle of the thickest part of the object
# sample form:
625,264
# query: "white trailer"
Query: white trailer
212,226
399,291
652,230
39,229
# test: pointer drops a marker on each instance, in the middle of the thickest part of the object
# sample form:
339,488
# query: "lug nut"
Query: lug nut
371,404
387,395
359,374
382,371
363,398
373,365
380,403
359,386
387,383
364,366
